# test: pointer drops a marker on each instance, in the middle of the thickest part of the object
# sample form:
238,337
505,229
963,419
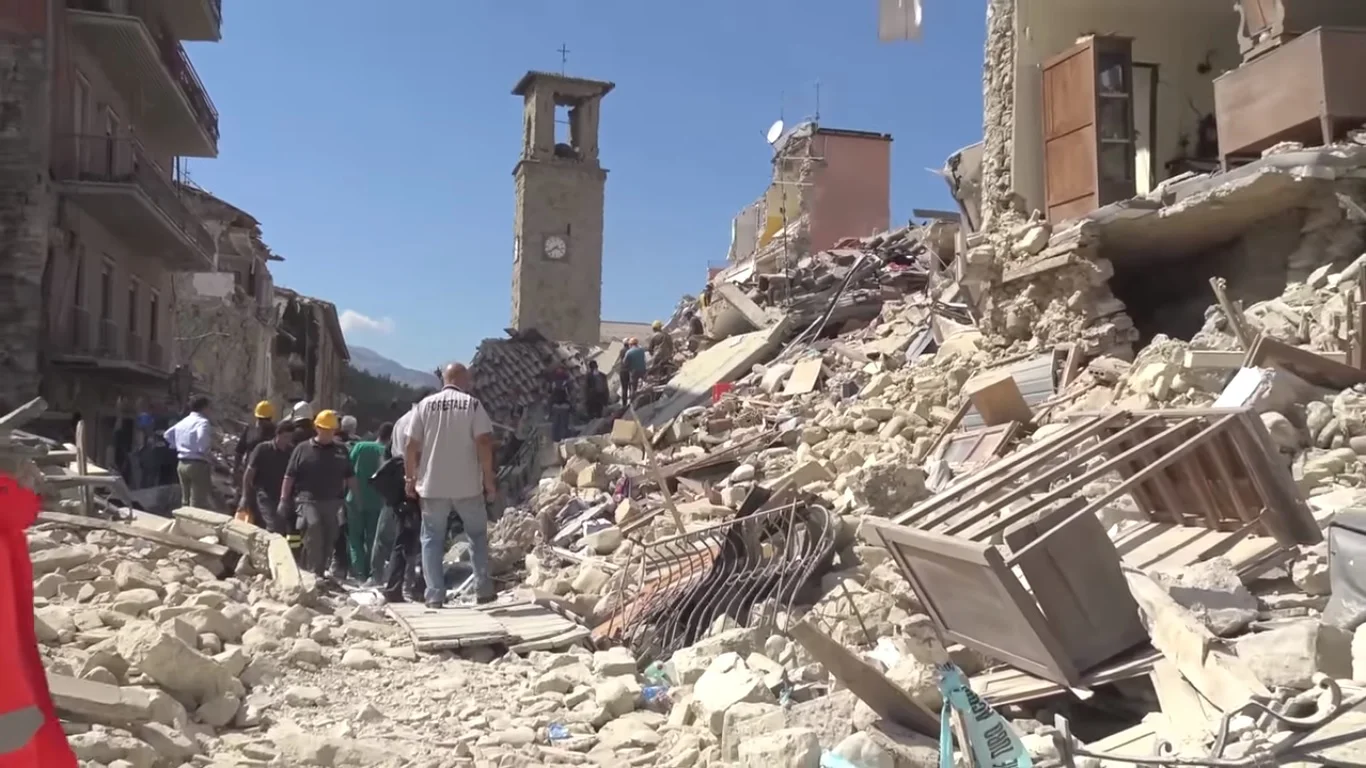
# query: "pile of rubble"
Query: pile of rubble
867,486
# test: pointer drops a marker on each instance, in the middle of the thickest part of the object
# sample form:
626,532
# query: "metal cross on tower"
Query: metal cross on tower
564,56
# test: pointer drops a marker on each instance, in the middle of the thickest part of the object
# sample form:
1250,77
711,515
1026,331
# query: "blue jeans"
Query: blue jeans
436,514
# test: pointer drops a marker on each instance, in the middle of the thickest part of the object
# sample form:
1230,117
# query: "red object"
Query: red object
25,681
718,389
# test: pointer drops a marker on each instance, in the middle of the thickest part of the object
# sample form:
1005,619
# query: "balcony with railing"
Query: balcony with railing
81,341
151,69
198,20
119,185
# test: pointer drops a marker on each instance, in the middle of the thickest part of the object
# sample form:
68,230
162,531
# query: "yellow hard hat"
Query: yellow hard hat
264,410
327,420
656,325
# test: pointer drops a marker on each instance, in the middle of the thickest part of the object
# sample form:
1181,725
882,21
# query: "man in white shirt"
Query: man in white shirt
192,439
449,466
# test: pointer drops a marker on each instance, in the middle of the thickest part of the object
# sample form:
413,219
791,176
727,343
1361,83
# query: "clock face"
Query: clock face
555,247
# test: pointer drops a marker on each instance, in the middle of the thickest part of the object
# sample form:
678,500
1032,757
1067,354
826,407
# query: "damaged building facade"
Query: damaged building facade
309,351
226,319
99,100
1193,142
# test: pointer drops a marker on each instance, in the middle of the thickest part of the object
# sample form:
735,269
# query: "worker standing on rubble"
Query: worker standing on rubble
560,404
595,392
260,431
449,466
696,332
192,439
363,509
387,529
316,481
633,367
661,345
263,480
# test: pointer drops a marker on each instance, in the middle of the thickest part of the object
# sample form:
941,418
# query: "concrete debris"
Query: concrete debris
829,444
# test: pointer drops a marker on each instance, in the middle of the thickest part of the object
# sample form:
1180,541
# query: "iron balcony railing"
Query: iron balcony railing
178,64
171,52
122,160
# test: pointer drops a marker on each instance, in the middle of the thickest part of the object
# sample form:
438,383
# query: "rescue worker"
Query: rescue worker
301,415
595,392
363,509
560,404
661,345
387,530
192,439
263,430
263,480
696,332
347,434
260,431
316,481
633,367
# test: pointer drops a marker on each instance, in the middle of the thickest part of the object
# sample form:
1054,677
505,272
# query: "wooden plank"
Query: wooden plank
1232,313
137,532
447,628
22,415
1013,466
1310,366
873,688
83,469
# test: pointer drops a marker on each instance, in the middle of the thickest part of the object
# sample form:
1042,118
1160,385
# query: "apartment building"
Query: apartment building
106,103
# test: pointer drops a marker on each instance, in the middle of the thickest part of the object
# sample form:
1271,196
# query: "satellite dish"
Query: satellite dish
775,131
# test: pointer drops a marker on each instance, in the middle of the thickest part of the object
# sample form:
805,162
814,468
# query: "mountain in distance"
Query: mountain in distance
374,363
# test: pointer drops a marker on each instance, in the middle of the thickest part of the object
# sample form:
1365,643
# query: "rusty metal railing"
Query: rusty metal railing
748,569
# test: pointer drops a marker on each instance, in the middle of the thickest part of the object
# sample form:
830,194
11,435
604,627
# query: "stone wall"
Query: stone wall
26,204
998,108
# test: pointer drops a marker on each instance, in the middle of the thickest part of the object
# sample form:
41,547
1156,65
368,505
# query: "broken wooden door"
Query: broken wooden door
1088,127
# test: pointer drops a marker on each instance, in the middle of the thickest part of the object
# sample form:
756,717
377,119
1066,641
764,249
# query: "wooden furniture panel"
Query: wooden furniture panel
1306,90
973,598
1267,24
1077,580
1088,128
1156,454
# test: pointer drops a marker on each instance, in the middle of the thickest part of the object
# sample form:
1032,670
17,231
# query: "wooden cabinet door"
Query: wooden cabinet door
1088,127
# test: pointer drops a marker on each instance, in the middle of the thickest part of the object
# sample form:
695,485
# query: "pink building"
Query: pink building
832,183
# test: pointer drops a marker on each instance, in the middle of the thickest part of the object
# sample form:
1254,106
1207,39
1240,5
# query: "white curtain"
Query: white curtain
898,20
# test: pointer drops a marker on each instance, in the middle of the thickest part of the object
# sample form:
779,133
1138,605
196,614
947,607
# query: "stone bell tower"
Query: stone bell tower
557,246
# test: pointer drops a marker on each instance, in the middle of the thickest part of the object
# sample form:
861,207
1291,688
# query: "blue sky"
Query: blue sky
376,148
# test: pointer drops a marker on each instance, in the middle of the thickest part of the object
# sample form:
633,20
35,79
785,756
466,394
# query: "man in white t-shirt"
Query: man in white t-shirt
449,466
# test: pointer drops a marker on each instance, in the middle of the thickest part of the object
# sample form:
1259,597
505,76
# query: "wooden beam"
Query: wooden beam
23,414
1236,322
137,532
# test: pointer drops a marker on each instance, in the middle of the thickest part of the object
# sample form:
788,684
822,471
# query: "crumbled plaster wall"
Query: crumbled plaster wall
998,108
26,203
306,362
221,340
